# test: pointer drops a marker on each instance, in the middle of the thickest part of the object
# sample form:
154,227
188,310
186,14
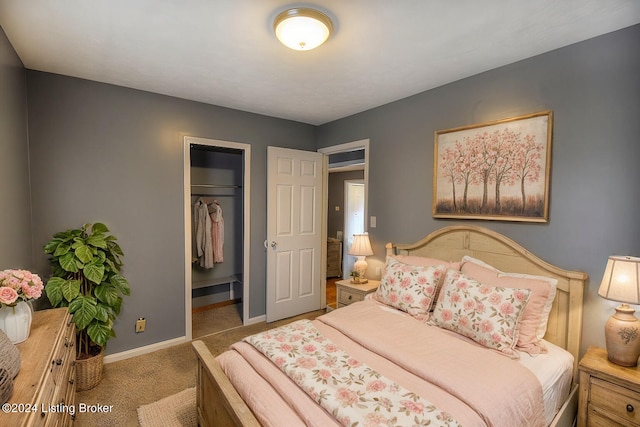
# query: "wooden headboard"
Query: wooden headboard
453,242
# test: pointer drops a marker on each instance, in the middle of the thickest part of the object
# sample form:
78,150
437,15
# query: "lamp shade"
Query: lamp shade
302,28
361,245
621,280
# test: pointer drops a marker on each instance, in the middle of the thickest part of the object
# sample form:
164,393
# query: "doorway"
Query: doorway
230,191
353,220
343,161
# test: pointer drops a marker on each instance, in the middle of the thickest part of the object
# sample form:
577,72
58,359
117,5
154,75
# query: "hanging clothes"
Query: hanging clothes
217,231
203,241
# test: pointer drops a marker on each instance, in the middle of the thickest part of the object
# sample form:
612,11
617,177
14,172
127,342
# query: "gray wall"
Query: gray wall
593,89
111,154
15,208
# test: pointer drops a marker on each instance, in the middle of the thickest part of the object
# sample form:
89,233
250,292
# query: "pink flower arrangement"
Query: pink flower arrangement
19,285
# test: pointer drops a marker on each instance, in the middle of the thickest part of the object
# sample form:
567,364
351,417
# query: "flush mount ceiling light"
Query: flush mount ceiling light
302,28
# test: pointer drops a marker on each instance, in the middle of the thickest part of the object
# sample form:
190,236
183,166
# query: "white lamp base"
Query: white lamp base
361,267
622,335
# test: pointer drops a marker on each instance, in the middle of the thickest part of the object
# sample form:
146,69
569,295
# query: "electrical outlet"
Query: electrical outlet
141,324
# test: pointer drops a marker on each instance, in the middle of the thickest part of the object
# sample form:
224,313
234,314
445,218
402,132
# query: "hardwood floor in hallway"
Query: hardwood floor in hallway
331,291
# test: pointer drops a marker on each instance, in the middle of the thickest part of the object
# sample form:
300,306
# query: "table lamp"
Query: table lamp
361,247
621,282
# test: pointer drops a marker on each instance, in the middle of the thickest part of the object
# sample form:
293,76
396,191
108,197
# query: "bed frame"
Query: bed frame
219,403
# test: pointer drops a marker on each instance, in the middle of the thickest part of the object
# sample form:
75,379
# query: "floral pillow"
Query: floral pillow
489,315
543,288
409,288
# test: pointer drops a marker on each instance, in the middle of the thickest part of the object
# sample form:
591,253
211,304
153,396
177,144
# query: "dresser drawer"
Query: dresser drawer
335,256
597,419
348,297
615,401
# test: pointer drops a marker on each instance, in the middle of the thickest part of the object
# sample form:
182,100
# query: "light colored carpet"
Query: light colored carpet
207,322
178,410
138,381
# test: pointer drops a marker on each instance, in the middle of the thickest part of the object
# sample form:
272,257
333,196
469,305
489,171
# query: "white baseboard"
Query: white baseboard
164,344
144,350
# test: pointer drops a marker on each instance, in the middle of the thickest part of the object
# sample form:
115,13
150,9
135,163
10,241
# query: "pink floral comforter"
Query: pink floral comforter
352,392
477,386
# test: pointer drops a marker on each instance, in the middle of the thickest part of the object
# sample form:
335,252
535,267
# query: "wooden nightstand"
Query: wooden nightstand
609,394
348,293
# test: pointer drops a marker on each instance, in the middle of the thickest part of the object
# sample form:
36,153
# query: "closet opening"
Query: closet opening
216,226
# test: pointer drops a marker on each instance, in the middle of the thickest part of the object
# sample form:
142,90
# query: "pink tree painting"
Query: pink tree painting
498,170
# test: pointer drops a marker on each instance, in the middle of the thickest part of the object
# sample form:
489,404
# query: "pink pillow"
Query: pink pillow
409,288
534,312
489,315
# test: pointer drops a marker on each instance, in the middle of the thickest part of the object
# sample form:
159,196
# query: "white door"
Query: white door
294,232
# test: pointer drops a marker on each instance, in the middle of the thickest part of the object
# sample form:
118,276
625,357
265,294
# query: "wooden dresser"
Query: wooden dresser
609,394
44,392
334,258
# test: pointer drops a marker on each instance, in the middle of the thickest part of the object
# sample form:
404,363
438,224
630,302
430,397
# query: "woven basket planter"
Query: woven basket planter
89,372
9,356
6,386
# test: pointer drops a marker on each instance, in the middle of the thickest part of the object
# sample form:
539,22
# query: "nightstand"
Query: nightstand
609,394
348,293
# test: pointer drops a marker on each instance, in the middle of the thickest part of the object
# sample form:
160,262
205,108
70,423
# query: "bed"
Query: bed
418,350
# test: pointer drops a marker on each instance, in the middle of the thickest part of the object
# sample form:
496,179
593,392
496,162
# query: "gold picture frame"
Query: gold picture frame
494,171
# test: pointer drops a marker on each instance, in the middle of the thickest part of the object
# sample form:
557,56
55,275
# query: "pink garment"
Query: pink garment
217,232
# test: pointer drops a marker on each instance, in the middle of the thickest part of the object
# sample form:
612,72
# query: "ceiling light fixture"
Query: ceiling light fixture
302,28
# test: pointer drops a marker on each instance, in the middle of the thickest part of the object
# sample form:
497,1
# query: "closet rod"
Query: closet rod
215,186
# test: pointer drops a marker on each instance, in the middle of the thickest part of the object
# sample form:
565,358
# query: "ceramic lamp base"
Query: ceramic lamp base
361,267
622,335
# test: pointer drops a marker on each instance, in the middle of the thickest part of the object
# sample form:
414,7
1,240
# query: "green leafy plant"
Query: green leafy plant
86,277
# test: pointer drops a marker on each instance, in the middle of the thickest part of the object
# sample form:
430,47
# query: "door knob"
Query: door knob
274,244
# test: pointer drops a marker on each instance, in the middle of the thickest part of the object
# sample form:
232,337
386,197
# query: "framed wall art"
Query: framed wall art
494,171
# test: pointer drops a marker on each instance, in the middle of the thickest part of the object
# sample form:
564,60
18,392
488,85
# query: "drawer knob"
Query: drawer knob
630,408
350,296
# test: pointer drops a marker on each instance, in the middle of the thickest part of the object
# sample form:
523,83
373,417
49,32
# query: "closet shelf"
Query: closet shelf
215,186
215,281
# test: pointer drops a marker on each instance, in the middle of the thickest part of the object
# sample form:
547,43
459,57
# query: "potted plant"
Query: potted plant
86,277
355,276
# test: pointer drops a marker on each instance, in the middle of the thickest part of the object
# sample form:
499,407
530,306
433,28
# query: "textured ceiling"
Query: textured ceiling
224,52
